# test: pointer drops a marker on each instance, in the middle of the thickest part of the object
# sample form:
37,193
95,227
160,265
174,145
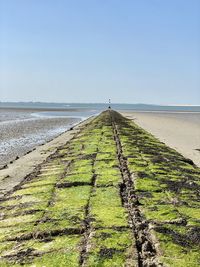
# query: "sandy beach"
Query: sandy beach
179,130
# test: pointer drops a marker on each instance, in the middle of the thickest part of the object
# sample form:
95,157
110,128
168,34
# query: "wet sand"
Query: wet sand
21,131
22,137
26,164
178,130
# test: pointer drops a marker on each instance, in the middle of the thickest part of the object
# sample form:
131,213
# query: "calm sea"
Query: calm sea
88,109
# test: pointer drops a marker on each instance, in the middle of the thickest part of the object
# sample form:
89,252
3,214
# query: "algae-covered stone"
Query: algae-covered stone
73,210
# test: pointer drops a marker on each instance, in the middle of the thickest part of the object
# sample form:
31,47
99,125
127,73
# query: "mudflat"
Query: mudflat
16,171
22,130
179,130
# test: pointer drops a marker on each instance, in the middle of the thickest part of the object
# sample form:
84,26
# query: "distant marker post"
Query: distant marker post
109,102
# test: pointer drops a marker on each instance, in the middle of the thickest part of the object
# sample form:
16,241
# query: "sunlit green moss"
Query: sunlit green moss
106,208
112,248
165,187
67,257
80,177
79,185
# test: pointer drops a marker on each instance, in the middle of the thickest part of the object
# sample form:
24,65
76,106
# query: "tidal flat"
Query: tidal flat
22,130
114,195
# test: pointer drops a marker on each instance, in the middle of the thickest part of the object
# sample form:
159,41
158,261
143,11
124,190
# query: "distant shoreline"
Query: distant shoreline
159,111
98,106
38,109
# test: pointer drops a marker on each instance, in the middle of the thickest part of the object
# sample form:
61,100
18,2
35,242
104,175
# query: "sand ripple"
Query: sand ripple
20,133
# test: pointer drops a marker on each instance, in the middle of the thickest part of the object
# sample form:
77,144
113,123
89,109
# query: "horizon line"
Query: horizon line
112,103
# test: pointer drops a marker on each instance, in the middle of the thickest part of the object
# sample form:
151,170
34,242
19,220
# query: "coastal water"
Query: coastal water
95,107
23,126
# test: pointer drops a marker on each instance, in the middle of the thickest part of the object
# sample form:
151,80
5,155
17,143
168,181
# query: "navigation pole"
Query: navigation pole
109,102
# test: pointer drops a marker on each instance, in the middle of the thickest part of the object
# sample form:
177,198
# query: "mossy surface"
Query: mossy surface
45,221
167,186
111,248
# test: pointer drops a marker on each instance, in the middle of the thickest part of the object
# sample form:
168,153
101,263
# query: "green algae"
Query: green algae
111,248
80,184
165,185
106,208
80,177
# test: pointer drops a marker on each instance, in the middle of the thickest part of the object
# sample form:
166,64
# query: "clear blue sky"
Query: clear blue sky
132,51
